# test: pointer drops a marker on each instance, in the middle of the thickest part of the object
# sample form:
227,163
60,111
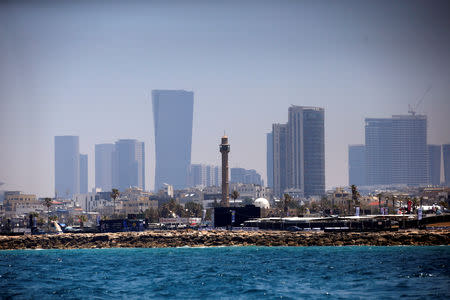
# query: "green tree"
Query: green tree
286,203
152,215
234,195
48,203
172,209
115,194
379,202
194,209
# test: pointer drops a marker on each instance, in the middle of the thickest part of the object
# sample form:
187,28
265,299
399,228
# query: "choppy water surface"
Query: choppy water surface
229,272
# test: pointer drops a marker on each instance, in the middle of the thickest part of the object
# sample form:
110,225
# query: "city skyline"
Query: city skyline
83,78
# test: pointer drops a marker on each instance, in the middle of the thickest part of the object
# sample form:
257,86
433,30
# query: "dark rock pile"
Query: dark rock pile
153,239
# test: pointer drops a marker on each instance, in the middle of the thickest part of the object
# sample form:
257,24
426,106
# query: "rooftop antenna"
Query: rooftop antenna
412,109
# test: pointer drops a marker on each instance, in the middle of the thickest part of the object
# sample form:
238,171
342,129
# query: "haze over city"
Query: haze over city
78,68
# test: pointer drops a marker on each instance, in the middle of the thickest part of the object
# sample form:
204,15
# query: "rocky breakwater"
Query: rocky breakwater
191,238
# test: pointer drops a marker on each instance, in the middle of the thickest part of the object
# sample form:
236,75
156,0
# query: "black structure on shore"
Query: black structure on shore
235,216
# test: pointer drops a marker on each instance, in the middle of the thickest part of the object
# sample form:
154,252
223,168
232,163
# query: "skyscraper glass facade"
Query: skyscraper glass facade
83,173
129,164
434,164
103,166
356,165
67,166
172,115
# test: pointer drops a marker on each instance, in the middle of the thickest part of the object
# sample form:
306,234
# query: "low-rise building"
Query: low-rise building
17,204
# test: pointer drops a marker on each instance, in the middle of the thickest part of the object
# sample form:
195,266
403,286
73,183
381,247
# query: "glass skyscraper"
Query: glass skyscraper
128,165
396,150
446,158
299,152
67,166
269,157
434,164
103,166
172,115
409,150
378,135
357,165
83,173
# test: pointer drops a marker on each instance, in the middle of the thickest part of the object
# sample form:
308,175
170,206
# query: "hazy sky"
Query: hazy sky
87,68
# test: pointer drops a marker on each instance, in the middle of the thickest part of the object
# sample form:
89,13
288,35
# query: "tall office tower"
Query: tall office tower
279,135
210,175
269,160
217,176
240,175
378,136
83,173
306,150
197,175
409,150
434,164
103,166
67,166
128,164
446,157
172,115
356,165
225,149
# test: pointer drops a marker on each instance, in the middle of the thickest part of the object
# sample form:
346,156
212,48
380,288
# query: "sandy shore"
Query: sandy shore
157,239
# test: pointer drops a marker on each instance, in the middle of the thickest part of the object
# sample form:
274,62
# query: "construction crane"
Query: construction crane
412,109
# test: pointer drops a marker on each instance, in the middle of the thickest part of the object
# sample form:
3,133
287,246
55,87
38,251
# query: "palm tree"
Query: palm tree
82,219
234,195
379,202
48,202
287,202
115,194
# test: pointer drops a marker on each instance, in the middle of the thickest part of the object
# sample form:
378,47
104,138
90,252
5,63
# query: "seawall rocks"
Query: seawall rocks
192,238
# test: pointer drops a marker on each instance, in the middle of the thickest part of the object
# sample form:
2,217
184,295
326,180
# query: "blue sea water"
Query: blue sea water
228,272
